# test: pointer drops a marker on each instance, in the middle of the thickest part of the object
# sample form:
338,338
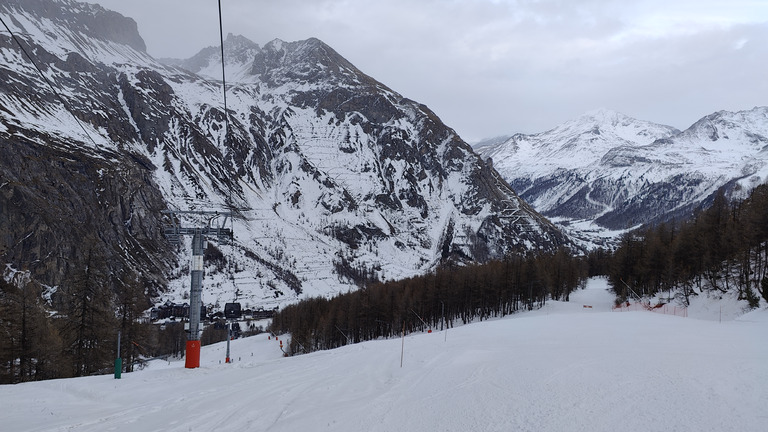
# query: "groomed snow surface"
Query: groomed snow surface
562,368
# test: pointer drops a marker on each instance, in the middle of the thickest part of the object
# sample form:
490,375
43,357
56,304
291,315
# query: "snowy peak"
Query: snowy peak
308,61
605,116
721,141
608,128
578,142
740,128
303,62
239,53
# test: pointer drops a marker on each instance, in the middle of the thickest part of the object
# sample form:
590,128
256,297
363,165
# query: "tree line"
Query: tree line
451,294
73,330
723,248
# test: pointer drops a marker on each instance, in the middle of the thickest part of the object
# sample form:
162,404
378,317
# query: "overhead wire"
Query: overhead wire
226,133
224,87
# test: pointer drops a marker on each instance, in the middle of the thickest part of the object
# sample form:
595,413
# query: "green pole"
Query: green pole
118,360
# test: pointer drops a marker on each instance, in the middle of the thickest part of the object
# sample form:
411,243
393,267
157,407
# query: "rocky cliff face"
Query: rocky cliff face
337,178
58,204
77,24
60,192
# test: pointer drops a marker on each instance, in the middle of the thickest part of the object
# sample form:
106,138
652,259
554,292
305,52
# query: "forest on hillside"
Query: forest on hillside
451,294
73,330
723,248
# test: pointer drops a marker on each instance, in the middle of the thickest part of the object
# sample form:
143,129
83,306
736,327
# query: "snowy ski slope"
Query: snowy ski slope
562,368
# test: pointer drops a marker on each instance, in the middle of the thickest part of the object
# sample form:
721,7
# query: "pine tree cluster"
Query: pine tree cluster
723,248
450,295
75,333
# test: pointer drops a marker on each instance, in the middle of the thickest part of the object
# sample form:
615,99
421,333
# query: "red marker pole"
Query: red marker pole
193,354
229,336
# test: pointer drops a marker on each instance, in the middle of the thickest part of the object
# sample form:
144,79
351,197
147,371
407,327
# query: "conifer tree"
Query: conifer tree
131,304
89,326
29,345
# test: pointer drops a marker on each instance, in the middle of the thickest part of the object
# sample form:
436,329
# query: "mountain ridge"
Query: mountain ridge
654,174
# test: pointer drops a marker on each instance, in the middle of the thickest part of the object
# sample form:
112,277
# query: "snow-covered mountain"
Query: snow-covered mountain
606,171
341,179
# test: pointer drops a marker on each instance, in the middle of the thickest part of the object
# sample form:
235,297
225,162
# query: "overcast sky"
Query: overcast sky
495,67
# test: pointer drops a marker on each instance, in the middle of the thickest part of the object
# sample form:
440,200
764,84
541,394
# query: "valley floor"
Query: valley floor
562,368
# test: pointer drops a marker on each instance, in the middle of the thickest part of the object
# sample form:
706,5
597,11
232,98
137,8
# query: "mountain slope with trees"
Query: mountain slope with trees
450,295
723,248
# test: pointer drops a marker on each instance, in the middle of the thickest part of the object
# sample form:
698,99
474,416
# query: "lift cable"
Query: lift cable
224,87
226,134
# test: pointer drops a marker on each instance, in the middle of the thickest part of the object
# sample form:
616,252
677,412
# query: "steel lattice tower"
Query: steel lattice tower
199,234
